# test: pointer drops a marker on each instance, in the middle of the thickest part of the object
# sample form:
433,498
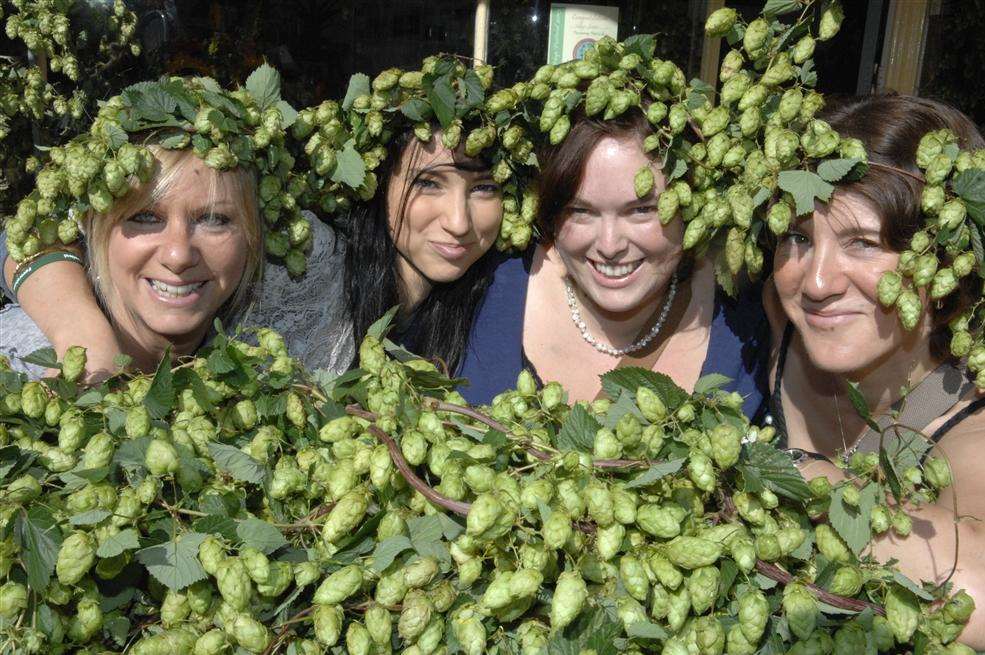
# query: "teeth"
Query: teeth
175,291
617,270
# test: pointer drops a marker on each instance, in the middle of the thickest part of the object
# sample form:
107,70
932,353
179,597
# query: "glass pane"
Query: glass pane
518,32
954,56
316,44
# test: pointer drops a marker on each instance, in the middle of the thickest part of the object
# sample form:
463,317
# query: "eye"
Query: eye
645,209
213,219
425,183
795,238
489,188
864,243
144,218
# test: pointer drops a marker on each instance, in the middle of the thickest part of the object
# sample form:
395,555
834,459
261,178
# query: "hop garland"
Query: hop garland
245,128
344,142
231,501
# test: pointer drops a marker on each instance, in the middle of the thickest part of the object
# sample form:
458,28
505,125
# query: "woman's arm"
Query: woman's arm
60,300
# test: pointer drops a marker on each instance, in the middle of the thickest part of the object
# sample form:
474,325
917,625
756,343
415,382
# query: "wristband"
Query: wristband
29,267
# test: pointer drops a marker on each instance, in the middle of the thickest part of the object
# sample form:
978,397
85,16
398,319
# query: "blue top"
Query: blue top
738,347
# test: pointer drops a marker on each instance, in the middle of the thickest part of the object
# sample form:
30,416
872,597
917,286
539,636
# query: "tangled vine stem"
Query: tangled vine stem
774,572
768,570
285,628
531,450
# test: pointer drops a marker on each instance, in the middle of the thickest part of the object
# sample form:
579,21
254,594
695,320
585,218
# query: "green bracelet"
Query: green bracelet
43,260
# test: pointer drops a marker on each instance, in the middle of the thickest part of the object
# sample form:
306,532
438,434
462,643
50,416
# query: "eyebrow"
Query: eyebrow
636,202
465,166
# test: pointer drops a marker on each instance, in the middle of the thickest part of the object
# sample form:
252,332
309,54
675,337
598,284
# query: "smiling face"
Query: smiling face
444,211
172,264
612,243
826,270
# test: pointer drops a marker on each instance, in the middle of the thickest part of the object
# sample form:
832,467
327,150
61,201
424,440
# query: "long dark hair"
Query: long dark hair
439,326
891,126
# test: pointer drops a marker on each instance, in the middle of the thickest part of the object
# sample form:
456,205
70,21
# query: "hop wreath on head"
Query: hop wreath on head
242,128
344,143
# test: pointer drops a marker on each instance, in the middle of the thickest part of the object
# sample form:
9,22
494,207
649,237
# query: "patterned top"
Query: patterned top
738,347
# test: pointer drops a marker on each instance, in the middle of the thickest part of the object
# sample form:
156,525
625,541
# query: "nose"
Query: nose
456,216
178,251
824,276
610,240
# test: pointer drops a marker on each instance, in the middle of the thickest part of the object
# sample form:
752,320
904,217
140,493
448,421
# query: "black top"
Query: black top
778,421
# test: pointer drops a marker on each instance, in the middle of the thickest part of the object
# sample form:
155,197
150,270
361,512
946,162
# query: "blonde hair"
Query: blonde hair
169,167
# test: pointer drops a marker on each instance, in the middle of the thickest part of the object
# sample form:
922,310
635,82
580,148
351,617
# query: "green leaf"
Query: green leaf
160,395
578,431
633,377
115,134
416,109
442,99
424,529
472,92
358,86
127,539
387,550
382,325
260,535
625,404
217,524
970,187
780,7
776,470
236,463
655,472
288,114
852,523
593,630
645,630
641,44
263,85
805,187
450,527
118,629
861,408
39,538
833,170
45,357
710,382
91,517
907,583
175,563
350,169
151,102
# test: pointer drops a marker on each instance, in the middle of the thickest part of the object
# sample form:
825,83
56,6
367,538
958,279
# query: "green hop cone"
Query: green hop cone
803,49
75,557
137,422
327,620
755,37
74,363
847,581
944,282
720,22
902,612
754,612
937,473
889,288
831,20
910,308
234,582
569,598
161,457
726,443
831,545
643,182
801,609
692,552
13,599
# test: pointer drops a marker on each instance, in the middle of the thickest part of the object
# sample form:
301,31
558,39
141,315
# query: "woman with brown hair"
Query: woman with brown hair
826,307
610,285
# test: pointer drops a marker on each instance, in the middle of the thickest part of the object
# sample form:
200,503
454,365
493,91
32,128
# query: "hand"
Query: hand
814,468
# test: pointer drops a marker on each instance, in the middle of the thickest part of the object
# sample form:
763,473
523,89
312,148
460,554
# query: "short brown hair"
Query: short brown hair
562,167
891,126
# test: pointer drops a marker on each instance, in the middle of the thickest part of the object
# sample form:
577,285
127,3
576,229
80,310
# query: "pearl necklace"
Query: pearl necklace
605,348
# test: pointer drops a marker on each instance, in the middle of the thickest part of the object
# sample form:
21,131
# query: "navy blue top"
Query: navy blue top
738,347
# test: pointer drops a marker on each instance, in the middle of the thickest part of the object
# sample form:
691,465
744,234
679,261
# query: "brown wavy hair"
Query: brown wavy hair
891,126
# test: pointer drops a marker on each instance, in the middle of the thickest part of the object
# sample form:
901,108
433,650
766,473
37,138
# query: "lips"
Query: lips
451,251
615,271
828,319
175,295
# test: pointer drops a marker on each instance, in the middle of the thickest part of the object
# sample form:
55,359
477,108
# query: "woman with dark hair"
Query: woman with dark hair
826,307
419,238
610,285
